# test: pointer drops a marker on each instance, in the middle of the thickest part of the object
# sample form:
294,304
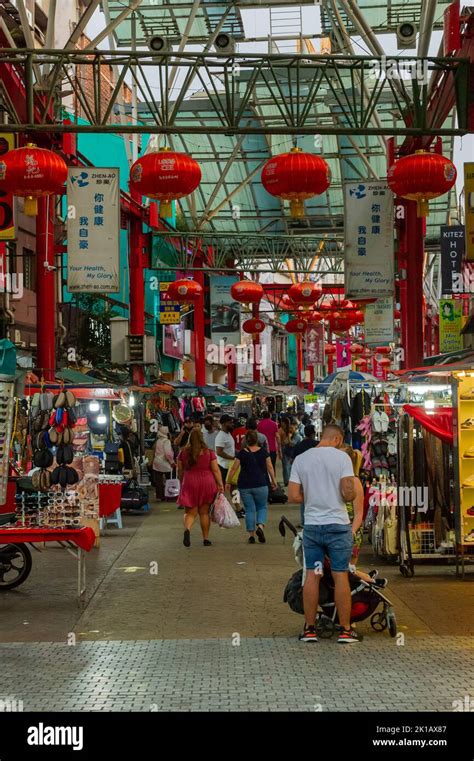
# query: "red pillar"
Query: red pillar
137,287
199,331
256,343
311,378
402,283
415,255
45,289
231,376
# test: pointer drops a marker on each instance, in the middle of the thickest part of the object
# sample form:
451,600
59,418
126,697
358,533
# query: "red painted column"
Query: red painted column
402,283
137,286
231,376
415,253
199,331
45,289
256,343
311,378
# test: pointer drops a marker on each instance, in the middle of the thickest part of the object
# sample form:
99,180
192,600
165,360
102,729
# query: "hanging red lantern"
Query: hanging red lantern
296,326
254,325
356,349
420,177
339,322
247,292
361,364
31,172
315,317
184,291
358,316
305,294
295,177
383,350
397,314
329,350
166,176
385,362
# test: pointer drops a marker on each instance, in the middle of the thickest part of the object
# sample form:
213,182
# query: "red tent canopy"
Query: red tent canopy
438,422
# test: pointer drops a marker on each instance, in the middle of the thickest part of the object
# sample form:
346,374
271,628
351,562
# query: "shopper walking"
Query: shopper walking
269,428
200,480
255,469
225,445
288,436
262,440
309,442
209,432
182,438
323,478
163,461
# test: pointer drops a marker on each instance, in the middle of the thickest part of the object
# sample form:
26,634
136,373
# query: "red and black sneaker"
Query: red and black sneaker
348,637
309,634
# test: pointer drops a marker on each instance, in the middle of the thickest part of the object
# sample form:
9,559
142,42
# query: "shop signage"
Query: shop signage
93,230
469,209
452,252
173,341
225,312
450,325
314,343
170,311
7,206
369,240
378,322
343,355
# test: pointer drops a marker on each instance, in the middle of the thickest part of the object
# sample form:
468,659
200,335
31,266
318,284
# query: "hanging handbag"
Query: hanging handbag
172,488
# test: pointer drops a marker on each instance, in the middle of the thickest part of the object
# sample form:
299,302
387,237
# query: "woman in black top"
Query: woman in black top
255,468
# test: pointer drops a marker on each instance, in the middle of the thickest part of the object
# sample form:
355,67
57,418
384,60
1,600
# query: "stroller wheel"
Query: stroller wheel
392,622
325,626
379,622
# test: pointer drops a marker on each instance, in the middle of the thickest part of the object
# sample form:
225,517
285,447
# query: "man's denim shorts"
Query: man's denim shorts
334,540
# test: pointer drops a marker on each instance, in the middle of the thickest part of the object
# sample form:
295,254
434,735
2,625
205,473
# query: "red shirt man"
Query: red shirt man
269,428
239,435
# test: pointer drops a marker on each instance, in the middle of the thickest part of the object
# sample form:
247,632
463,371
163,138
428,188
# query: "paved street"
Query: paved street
210,630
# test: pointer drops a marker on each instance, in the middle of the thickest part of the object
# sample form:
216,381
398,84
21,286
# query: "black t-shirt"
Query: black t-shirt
253,468
303,446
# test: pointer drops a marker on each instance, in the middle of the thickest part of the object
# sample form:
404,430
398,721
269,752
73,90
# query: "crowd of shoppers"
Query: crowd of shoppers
240,457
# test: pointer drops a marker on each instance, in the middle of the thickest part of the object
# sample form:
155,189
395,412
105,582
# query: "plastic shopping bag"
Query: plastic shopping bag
172,488
223,513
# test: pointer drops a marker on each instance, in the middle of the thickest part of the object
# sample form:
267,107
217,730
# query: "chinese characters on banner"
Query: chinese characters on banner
378,322
314,343
452,253
450,325
93,230
7,223
469,209
369,240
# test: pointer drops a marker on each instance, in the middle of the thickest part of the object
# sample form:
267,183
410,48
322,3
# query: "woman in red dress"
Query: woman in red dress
201,480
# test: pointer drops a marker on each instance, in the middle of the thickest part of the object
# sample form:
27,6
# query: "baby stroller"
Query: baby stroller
367,599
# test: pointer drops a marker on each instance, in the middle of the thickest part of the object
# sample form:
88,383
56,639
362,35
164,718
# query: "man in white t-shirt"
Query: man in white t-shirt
209,432
225,445
323,478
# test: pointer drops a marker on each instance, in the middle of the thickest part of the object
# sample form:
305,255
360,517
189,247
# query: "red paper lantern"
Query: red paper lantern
383,350
306,293
296,326
361,364
254,325
315,317
420,177
166,176
339,322
295,177
184,290
385,362
356,349
358,316
329,350
247,292
32,172
397,314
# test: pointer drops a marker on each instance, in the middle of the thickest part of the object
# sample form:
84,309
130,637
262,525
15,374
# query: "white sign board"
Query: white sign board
93,230
378,327
369,240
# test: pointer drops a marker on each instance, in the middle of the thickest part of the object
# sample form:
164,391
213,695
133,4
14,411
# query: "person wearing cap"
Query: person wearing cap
163,461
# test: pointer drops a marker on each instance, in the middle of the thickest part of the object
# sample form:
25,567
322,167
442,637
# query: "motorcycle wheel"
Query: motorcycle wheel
15,565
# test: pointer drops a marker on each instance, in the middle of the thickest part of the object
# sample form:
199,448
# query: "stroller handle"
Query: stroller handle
285,522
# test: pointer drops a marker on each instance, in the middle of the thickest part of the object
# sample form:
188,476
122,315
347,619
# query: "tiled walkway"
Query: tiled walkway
274,674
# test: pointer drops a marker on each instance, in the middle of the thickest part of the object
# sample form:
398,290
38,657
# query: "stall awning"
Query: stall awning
439,422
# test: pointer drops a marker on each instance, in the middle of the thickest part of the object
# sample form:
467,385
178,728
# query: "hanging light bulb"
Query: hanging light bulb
131,400
94,406
101,419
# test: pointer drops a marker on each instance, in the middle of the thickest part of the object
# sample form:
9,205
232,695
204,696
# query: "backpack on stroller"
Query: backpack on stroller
367,599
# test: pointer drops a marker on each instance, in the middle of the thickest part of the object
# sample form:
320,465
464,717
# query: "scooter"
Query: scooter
15,560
